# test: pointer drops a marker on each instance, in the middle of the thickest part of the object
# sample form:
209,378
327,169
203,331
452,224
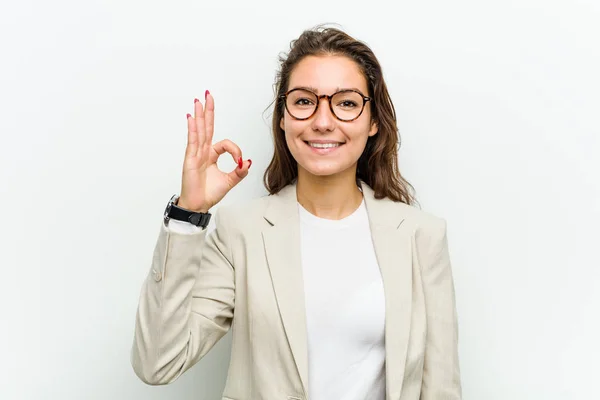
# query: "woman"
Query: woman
339,287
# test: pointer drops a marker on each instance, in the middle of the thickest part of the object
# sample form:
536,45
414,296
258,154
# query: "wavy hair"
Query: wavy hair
378,164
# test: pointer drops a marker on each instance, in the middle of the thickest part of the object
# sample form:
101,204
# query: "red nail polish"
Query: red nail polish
240,163
188,115
196,100
206,94
249,163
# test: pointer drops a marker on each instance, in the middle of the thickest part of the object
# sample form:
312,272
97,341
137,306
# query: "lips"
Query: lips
324,146
317,142
324,150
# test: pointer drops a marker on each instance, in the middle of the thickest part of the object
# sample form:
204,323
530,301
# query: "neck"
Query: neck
331,197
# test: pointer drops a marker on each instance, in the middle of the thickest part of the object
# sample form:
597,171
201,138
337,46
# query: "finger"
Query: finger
209,116
192,137
199,117
238,174
228,146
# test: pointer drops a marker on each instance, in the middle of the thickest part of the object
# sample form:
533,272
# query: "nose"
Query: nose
323,120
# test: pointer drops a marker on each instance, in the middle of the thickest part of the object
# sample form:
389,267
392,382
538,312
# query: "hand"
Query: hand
203,185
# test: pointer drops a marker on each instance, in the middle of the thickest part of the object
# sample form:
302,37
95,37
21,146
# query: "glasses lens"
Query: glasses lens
347,105
301,103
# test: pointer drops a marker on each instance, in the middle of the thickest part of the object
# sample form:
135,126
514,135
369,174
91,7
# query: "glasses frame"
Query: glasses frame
328,97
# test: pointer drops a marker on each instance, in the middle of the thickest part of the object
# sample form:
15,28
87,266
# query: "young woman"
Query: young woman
334,285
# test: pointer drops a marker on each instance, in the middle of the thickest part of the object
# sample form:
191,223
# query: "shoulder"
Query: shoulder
420,219
428,230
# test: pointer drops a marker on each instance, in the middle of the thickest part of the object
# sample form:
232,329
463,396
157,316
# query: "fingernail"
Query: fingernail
240,163
196,100
206,94
188,115
249,163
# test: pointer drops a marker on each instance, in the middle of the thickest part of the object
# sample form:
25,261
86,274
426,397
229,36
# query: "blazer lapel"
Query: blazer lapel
392,244
282,247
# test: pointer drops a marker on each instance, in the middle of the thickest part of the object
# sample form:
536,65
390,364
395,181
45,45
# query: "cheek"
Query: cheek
358,132
293,127
291,138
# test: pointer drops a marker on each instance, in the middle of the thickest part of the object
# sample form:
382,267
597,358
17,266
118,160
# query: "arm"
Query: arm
186,303
441,374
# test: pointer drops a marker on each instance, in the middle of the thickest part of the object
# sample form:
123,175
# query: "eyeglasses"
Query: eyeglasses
345,105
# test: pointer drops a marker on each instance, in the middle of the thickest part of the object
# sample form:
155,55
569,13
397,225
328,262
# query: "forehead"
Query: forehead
328,74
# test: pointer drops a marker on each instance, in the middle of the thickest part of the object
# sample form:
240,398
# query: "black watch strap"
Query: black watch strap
181,214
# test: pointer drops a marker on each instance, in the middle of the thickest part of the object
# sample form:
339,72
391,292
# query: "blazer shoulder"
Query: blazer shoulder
427,229
420,218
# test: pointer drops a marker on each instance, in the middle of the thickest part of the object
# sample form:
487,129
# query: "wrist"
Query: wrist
200,217
182,204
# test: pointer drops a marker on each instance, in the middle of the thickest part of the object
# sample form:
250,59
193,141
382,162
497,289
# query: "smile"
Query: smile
323,145
323,148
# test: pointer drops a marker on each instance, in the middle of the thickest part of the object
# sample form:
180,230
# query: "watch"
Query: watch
181,214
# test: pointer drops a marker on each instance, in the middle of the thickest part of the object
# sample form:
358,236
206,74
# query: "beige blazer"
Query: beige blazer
246,275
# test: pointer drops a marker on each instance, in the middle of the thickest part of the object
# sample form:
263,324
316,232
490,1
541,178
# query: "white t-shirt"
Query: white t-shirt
345,308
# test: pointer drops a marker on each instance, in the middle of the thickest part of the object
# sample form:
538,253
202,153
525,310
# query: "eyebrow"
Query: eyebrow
338,89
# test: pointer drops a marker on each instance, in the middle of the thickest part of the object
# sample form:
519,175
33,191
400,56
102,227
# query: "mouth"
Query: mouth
319,145
324,148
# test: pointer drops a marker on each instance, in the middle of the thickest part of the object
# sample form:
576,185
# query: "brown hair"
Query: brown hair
378,164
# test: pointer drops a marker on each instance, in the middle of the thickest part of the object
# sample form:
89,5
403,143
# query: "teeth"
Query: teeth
323,145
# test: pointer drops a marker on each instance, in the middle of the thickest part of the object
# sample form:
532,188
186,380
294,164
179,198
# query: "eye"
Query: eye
303,102
347,104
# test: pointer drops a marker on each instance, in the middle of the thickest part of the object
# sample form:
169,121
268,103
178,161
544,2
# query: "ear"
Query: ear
281,125
374,128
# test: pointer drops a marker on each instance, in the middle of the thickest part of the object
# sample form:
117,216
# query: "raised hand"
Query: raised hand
202,184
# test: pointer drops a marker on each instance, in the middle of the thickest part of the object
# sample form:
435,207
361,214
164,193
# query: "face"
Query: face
327,75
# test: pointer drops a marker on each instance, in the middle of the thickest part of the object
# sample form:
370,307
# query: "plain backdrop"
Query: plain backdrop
498,106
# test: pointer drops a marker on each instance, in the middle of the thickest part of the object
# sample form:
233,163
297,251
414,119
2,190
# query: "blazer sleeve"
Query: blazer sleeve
186,302
441,374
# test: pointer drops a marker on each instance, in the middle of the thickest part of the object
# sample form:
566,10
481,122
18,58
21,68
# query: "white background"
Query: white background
498,106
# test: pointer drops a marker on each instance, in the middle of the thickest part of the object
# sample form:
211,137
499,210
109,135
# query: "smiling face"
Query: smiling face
327,75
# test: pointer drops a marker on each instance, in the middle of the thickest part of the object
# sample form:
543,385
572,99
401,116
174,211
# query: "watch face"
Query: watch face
166,214
168,207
